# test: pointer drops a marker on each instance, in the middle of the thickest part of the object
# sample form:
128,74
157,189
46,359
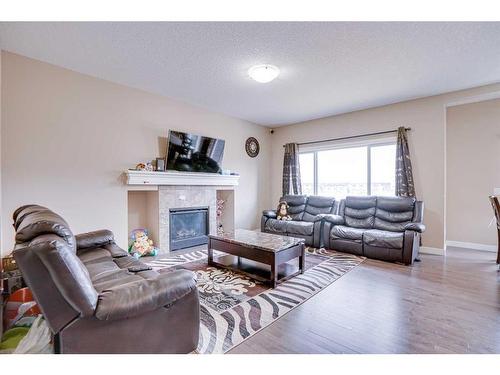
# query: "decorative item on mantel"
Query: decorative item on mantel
219,212
160,164
144,167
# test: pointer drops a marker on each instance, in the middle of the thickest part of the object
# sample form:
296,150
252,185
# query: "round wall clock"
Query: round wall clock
252,147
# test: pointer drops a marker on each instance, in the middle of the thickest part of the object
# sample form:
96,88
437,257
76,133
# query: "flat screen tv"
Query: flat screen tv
194,153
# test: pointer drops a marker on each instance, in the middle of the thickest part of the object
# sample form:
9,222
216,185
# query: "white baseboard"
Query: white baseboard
472,245
432,250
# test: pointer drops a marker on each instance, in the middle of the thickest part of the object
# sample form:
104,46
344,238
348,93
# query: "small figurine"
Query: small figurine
141,245
144,167
219,212
282,211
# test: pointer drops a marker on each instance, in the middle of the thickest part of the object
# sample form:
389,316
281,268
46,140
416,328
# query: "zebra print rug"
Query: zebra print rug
234,307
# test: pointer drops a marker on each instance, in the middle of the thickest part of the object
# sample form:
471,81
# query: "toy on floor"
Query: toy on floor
141,245
21,311
282,211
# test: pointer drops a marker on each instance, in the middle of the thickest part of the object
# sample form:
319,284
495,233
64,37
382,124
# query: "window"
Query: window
367,169
342,172
383,170
306,162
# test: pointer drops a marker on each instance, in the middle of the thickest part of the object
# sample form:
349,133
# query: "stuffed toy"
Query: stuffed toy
144,167
141,245
282,211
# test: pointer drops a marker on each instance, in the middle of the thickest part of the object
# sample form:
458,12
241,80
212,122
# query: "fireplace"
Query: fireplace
188,227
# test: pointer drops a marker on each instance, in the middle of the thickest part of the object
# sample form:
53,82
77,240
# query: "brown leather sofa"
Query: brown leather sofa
307,220
385,228
95,297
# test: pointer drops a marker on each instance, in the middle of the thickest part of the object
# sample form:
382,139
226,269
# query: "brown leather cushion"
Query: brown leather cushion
22,211
135,298
318,205
303,228
359,212
393,213
383,238
349,233
107,271
94,239
42,222
275,225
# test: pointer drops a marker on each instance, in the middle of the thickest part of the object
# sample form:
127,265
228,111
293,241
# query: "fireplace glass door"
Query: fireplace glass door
188,227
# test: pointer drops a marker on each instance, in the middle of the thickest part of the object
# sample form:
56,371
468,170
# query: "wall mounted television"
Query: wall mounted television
194,153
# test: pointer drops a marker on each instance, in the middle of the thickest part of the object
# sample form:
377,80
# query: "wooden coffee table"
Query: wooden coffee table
266,248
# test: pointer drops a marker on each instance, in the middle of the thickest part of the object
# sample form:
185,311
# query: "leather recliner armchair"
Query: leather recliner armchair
95,297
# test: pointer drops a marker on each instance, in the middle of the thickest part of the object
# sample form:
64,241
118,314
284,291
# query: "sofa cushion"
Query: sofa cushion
393,213
383,238
396,204
275,225
345,232
25,210
107,271
129,300
317,205
296,205
94,239
303,228
43,222
359,212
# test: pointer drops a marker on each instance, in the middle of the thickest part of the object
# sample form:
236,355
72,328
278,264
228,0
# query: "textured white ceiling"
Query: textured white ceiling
326,68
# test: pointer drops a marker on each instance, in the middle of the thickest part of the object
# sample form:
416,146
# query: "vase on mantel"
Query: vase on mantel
220,212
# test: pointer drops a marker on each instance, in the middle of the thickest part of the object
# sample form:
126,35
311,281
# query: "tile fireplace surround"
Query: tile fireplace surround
170,197
164,191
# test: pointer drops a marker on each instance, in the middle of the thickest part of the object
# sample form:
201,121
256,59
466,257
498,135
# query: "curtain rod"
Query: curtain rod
350,137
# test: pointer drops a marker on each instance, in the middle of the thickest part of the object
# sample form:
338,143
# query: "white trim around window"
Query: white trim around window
366,141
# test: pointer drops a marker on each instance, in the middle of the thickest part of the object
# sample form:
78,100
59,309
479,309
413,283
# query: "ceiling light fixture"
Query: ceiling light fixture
263,73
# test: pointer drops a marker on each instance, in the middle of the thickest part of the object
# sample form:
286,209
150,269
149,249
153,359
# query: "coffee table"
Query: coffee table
266,248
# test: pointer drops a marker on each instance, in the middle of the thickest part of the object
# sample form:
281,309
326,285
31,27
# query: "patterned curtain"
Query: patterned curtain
291,170
404,174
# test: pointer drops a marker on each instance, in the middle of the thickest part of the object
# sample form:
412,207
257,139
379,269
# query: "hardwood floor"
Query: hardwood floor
441,305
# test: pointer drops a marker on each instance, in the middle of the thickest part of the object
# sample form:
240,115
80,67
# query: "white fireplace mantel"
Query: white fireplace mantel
145,178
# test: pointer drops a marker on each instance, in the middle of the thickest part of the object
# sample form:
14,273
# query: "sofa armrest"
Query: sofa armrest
136,298
94,239
417,227
271,214
334,219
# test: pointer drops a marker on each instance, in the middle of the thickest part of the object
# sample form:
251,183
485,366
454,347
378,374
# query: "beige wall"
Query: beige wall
1,214
473,171
67,138
426,117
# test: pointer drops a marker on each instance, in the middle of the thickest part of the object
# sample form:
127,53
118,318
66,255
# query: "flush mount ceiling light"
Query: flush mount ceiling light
263,73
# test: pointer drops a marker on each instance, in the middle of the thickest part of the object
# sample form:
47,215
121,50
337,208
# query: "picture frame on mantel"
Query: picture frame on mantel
160,164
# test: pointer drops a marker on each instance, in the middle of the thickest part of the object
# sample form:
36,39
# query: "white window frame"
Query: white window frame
328,146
